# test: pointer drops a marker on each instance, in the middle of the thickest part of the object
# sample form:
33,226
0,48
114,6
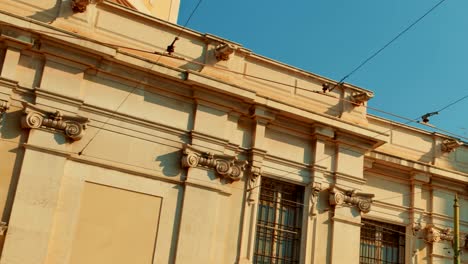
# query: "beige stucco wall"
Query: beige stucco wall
123,180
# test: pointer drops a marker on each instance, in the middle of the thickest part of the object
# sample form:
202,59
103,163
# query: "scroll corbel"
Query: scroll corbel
225,166
363,201
434,235
72,126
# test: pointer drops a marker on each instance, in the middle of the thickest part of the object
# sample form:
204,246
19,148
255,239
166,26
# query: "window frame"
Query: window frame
381,243
274,225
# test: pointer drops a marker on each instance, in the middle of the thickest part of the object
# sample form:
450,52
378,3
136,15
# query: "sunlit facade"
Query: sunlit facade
111,154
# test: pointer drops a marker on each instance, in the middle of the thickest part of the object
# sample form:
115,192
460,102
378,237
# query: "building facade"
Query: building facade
114,151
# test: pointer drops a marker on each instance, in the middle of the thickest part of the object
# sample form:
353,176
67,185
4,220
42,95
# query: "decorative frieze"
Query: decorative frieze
225,166
449,145
362,201
72,126
434,235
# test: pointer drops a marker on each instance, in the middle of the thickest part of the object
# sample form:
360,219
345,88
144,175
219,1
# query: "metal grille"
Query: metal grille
279,220
382,243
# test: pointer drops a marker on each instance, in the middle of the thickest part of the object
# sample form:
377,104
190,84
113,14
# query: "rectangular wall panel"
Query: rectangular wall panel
115,226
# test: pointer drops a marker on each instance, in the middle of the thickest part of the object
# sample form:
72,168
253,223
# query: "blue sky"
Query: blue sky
421,72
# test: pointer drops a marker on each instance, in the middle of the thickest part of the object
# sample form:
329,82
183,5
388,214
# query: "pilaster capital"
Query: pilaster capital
434,235
362,201
225,166
72,126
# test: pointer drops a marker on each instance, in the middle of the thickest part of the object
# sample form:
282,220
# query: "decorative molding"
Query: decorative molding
4,106
449,145
362,201
79,6
72,126
359,98
3,228
316,188
227,167
434,235
223,50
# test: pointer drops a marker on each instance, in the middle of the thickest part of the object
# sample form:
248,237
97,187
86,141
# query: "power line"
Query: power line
251,76
386,45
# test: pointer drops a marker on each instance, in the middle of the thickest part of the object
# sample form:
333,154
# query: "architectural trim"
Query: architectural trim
4,106
434,235
227,167
223,50
72,126
362,201
3,228
449,145
316,188
360,98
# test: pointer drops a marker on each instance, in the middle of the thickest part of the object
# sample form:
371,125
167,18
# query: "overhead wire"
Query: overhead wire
136,86
388,44
265,79
260,78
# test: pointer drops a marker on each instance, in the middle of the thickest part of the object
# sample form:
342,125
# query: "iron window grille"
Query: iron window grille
382,243
279,219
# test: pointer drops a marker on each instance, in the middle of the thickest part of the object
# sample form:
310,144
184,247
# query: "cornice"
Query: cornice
417,166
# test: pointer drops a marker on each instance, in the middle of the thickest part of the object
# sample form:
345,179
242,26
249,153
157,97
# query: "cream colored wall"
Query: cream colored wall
141,114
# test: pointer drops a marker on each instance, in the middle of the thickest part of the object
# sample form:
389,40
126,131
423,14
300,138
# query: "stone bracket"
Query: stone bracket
223,50
227,167
359,98
434,235
362,201
449,145
4,106
72,126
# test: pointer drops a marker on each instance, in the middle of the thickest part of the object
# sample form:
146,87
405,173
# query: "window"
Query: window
382,243
278,234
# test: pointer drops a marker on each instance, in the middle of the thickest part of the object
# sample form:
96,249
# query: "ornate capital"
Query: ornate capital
4,106
449,145
79,6
72,126
359,98
227,167
222,51
434,235
362,201
3,228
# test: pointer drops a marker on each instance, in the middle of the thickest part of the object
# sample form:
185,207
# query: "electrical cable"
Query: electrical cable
375,109
388,44
264,79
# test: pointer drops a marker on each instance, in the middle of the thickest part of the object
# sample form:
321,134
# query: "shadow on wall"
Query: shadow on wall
170,163
16,135
61,8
